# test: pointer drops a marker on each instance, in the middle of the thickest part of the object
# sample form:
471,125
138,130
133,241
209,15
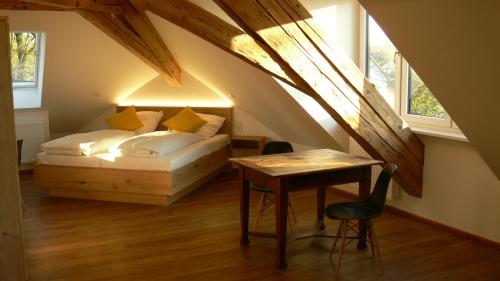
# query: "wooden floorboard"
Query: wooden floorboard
197,238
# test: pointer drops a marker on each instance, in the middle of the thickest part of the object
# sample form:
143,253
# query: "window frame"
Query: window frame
402,87
34,84
415,119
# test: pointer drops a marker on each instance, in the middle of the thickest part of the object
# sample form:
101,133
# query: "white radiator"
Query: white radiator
356,149
33,135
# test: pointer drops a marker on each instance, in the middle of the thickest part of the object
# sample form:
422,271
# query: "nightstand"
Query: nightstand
247,145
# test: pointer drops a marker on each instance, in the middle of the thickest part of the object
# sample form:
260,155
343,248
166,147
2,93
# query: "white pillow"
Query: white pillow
214,123
149,120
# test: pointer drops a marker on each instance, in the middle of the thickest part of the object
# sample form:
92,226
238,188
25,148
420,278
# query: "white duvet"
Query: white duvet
154,144
86,143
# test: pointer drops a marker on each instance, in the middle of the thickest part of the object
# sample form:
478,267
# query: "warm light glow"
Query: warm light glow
178,99
177,103
86,148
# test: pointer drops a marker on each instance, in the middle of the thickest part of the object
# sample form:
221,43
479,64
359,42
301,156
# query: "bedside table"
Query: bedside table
247,145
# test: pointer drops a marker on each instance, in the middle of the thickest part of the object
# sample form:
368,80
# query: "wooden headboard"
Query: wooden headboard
226,112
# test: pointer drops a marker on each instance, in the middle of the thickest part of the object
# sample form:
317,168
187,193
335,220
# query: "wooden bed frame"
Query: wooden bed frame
138,186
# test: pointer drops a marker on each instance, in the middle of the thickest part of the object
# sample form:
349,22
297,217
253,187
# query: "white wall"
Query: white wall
191,92
459,190
85,70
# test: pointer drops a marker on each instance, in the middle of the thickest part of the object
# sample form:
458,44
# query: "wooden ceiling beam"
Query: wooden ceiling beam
108,6
120,32
216,31
351,75
125,22
299,52
24,6
138,20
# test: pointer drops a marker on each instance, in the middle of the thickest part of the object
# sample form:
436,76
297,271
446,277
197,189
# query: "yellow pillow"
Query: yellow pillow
185,121
125,120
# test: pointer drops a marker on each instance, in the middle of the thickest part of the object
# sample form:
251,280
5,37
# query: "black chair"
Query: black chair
19,149
266,199
367,210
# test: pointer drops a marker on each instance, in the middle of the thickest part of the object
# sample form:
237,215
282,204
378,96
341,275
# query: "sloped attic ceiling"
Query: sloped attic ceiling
297,53
454,47
86,72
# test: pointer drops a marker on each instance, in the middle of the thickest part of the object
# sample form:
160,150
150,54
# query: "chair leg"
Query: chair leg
339,229
260,211
370,239
342,245
377,249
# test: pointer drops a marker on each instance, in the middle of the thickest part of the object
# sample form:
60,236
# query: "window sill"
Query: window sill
433,132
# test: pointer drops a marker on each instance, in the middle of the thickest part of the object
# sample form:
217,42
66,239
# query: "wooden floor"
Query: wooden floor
198,239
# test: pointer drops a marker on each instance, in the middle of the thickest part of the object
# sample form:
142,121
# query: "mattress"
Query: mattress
169,162
68,160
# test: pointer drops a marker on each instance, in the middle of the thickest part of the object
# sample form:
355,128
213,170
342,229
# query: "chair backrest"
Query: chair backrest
274,147
19,149
379,193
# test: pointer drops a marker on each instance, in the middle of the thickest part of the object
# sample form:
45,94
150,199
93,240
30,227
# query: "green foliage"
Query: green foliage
421,100
23,56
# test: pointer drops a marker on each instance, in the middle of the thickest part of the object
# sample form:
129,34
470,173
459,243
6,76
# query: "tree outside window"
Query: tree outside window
420,99
24,58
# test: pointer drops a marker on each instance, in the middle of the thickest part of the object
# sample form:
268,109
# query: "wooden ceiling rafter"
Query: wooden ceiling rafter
211,28
107,6
135,15
268,22
116,29
21,6
351,75
122,20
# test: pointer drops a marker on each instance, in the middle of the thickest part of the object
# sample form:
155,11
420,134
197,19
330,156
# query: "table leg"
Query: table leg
244,206
364,192
321,196
281,204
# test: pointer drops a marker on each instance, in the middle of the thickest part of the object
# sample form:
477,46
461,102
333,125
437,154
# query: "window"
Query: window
25,50
400,84
27,57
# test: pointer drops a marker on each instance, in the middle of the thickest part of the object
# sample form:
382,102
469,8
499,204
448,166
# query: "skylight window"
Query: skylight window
26,51
400,84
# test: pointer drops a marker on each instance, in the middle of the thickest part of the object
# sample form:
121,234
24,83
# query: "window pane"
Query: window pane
23,48
420,99
381,66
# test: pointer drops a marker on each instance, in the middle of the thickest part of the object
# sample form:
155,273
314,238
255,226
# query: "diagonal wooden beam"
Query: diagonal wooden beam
351,75
216,31
119,31
21,5
108,6
141,24
289,43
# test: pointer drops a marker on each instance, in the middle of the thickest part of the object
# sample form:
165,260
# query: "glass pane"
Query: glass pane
23,47
381,67
420,99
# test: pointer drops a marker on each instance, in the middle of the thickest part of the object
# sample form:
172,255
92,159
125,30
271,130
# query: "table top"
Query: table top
303,162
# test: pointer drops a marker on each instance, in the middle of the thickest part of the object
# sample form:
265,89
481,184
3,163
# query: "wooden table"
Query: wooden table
300,170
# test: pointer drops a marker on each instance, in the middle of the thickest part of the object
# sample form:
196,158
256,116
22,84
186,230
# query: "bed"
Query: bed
159,181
